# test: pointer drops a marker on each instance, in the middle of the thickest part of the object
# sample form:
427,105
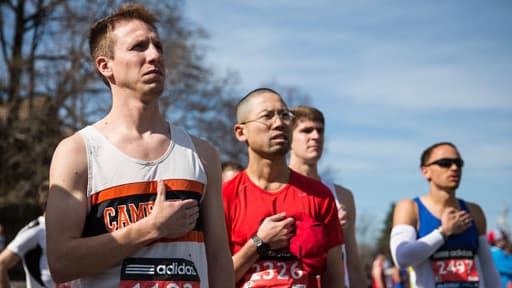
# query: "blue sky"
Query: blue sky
392,77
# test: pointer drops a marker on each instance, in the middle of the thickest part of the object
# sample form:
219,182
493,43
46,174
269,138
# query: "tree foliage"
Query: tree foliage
383,241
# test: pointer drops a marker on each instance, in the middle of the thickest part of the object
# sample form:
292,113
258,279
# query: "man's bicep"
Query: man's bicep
335,256
479,217
67,200
405,213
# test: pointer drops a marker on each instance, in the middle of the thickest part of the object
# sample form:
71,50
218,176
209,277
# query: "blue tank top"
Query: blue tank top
453,263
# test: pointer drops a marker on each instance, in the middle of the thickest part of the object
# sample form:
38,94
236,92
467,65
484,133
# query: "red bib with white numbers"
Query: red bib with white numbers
278,273
455,268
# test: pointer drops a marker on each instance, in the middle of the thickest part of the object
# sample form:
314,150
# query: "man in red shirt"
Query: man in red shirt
283,227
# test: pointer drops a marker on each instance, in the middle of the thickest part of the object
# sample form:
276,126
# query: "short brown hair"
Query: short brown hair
100,40
304,112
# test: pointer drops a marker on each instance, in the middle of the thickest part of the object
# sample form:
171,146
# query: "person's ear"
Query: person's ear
103,66
426,173
240,132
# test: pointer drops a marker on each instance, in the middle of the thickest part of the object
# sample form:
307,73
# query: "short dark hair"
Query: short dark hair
100,39
304,112
252,93
428,152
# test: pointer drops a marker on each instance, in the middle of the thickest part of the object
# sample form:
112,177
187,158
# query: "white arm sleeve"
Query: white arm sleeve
490,275
407,250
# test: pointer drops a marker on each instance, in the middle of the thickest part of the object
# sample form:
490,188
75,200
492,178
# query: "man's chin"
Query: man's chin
314,157
281,150
154,92
452,187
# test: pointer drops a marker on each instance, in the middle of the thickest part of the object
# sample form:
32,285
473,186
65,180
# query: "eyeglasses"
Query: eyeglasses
447,162
268,117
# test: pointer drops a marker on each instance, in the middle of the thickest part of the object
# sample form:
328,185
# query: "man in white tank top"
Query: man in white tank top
135,201
306,151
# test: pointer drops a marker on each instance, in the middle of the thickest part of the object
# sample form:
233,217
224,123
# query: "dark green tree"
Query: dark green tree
382,245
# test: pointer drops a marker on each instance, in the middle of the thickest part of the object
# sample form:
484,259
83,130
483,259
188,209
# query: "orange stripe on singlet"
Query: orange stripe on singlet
139,188
192,236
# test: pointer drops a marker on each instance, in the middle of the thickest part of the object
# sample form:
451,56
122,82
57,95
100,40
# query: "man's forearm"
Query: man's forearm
334,276
221,274
4,278
7,260
87,256
243,259
356,275
407,250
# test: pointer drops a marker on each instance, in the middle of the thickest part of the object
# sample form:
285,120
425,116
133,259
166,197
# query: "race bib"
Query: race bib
455,268
159,273
276,273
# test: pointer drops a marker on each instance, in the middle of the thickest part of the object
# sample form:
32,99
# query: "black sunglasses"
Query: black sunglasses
447,162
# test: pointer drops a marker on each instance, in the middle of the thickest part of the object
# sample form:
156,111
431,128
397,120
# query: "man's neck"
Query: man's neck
309,169
269,175
133,114
442,197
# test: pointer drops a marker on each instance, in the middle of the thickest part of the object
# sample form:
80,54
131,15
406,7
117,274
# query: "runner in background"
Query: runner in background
306,150
29,246
230,169
441,236
501,250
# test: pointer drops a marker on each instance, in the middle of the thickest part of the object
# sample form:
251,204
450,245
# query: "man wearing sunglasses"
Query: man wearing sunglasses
441,236
283,227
